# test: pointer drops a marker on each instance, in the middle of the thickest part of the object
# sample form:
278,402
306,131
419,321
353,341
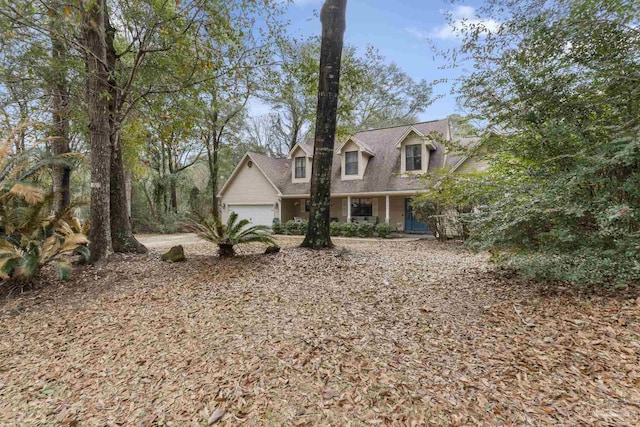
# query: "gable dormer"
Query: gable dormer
354,158
301,156
415,150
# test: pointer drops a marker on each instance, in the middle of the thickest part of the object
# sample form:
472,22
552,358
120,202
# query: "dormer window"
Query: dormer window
301,167
351,163
414,157
301,156
415,152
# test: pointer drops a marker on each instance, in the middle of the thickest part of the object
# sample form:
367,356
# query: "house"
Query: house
375,174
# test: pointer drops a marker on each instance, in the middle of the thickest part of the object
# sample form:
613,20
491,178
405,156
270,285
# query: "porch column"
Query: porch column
386,205
280,209
348,208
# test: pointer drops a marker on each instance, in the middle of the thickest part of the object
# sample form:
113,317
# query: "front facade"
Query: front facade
375,174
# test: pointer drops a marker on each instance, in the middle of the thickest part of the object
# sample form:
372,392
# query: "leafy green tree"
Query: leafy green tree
559,84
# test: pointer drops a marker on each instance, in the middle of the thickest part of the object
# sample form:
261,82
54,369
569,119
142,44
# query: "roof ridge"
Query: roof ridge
400,126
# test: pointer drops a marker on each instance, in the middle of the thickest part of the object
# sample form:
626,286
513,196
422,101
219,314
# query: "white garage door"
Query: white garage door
257,214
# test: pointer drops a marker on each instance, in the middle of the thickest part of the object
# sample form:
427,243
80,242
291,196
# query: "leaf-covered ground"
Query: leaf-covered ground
382,333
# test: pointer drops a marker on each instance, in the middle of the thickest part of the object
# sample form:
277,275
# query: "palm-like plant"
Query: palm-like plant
226,236
37,243
29,237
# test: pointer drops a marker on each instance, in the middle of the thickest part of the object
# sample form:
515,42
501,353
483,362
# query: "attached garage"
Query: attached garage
256,214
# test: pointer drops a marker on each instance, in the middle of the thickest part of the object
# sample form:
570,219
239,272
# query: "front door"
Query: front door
411,224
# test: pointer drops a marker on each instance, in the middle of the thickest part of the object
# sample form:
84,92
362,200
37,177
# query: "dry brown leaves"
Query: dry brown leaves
384,333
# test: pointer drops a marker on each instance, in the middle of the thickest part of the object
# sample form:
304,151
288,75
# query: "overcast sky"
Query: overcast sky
400,30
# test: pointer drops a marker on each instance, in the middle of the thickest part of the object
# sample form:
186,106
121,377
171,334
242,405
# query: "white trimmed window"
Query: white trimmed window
301,168
413,157
351,163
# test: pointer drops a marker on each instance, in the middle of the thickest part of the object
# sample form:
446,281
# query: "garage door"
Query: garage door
256,214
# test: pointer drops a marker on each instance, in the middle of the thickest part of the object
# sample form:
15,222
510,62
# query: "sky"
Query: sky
400,30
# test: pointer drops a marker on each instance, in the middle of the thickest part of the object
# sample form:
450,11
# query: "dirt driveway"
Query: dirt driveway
382,333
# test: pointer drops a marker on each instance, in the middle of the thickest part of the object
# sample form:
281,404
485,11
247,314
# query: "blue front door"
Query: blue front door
411,224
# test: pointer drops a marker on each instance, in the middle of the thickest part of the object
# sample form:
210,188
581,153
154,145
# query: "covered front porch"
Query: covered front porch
375,208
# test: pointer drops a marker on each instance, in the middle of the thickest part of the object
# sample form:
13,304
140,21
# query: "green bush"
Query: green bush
296,227
277,227
583,268
365,229
349,229
384,230
335,228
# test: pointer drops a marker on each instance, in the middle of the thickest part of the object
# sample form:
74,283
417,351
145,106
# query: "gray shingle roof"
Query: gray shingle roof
383,170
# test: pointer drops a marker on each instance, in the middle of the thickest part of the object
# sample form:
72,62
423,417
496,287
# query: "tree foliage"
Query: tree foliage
373,92
559,83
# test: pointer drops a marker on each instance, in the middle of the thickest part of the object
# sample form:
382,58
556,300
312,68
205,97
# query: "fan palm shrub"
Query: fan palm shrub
30,237
228,235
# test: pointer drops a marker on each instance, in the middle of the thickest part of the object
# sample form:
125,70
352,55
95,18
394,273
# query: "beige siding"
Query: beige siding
473,165
396,212
249,186
292,208
336,208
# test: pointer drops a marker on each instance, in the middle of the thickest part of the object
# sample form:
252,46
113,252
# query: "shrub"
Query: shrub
335,228
587,268
365,229
434,215
226,236
292,227
384,230
26,250
349,229
30,238
277,227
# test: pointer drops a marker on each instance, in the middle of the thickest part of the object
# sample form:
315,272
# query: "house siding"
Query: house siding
473,165
290,210
248,187
396,212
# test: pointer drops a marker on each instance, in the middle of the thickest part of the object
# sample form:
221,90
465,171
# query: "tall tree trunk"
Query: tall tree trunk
60,118
213,152
93,26
333,21
122,237
173,190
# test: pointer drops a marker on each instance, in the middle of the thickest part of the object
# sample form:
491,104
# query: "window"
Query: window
414,157
361,207
351,163
301,167
307,205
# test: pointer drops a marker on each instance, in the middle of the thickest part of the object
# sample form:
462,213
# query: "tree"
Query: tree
559,82
333,21
265,131
60,110
97,87
373,93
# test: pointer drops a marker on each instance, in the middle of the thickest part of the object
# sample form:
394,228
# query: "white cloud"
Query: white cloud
303,3
460,17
